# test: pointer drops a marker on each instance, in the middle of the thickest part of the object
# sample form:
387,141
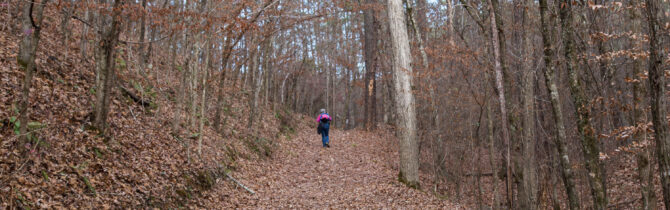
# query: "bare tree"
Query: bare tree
231,41
105,64
644,166
550,82
371,49
402,80
589,142
657,98
31,27
528,190
495,43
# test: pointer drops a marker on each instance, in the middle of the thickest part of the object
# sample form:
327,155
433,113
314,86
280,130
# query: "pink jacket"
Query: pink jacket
323,116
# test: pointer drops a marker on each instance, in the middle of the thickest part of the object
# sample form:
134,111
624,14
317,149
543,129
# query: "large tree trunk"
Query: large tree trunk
644,166
528,190
402,79
371,28
495,42
550,82
508,77
32,23
510,88
588,139
657,98
106,65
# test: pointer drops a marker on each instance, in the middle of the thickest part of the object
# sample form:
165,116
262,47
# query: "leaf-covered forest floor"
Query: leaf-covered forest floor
143,163
358,171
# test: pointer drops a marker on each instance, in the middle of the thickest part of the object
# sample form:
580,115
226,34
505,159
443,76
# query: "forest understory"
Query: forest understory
202,104
142,164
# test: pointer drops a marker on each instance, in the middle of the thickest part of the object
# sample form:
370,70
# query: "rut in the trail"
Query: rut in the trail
356,172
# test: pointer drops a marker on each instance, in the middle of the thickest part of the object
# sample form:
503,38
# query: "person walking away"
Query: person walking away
324,126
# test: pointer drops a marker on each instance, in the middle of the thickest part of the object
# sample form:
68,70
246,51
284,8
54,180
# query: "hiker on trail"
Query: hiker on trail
324,125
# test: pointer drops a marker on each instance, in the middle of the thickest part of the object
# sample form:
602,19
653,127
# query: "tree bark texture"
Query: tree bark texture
31,28
105,64
550,81
402,79
528,191
371,28
589,142
644,166
495,42
492,147
657,98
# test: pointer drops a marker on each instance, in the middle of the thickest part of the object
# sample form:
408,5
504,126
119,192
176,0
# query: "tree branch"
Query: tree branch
473,15
122,41
240,184
32,20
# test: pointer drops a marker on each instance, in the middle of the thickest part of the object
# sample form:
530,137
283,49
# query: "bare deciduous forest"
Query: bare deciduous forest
439,104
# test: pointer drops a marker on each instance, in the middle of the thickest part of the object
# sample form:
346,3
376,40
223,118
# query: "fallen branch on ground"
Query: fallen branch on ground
141,101
240,184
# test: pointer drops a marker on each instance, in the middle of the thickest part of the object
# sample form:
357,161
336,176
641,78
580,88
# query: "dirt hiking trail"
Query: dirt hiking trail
358,171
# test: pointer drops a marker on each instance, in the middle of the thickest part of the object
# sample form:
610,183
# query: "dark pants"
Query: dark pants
324,133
